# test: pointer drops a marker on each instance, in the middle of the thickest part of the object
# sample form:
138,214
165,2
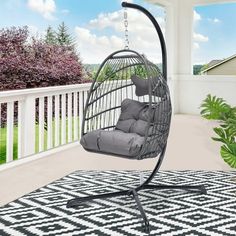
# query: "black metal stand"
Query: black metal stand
134,192
146,225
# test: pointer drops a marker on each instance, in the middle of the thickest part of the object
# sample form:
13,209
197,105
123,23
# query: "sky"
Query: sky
98,27
217,24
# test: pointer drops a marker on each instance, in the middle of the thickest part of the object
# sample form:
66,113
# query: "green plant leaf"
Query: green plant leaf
214,108
217,109
222,134
218,139
228,153
230,126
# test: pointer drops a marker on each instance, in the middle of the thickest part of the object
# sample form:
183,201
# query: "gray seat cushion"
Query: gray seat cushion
128,136
116,142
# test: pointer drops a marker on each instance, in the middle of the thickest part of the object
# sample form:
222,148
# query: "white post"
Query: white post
28,126
63,119
185,37
41,124
57,121
49,122
19,124
75,113
179,36
184,46
10,134
69,117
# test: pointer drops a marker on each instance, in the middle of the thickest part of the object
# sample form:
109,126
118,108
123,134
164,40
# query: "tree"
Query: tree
50,37
197,69
34,63
140,71
29,64
63,37
204,67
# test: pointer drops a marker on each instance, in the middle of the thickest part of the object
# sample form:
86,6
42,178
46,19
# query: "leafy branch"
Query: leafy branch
214,108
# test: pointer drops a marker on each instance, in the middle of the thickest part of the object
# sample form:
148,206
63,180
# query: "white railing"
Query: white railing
36,120
33,121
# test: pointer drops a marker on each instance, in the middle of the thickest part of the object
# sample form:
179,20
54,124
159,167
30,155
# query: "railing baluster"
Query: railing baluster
49,122
41,124
10,134
65,110
19,126
75,114
69,119
85,98
63,119
81,110
28,125
57,119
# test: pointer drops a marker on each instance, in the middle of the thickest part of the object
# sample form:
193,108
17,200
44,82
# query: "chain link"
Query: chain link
126,28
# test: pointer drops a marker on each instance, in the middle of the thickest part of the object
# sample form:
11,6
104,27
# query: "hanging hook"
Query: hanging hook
158,30
126,28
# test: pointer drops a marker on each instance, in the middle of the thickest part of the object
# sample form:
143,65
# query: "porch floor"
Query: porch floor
190,147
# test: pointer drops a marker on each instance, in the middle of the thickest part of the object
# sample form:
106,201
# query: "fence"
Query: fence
36,120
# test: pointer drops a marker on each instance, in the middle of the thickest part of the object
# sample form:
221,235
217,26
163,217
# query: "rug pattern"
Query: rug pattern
171,212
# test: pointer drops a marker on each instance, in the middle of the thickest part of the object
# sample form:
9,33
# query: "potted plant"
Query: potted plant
214,108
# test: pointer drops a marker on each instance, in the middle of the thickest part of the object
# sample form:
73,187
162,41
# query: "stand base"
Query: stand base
134,192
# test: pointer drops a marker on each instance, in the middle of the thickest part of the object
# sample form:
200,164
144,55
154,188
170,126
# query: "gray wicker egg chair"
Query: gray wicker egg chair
128,114
128,110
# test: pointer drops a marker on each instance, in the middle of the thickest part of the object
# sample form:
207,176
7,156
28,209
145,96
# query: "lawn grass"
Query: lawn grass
3,143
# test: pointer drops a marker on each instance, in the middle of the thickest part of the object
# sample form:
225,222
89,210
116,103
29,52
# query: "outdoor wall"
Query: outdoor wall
191,91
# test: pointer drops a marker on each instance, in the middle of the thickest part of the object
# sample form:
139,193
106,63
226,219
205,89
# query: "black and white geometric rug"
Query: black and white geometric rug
171,212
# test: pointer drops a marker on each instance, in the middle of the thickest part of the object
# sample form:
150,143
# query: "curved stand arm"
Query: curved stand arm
158,30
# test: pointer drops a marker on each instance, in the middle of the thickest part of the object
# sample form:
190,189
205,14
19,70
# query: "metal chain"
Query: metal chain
126,29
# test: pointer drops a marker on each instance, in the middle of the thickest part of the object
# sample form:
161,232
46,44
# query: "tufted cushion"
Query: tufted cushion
130,109
128,137
90,140
130,120
116,142
135,115
125,125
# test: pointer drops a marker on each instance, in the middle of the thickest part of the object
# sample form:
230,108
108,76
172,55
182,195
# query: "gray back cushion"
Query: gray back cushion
128,137
135,115
130,109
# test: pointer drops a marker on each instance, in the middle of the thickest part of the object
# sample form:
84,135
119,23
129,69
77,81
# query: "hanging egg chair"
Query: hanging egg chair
128,114
128,110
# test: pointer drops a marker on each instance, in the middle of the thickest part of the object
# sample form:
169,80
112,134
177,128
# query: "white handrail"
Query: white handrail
25,113
17,95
